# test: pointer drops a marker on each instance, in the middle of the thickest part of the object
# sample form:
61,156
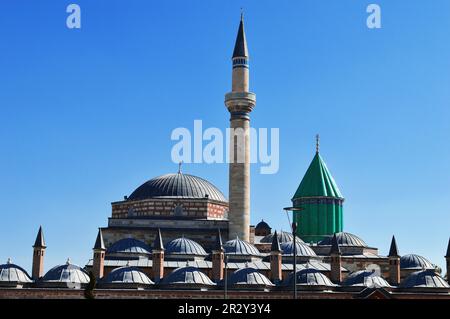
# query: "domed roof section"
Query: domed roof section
11,273
318,181
67,273
302,249
424,279
184,246
240,247
127,275
187,276
262,225
366,278
129,246
177,185
249,276
310,277
413,261
344,239
283,237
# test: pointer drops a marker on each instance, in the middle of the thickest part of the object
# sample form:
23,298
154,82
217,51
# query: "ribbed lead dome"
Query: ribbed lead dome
184,246
240,247
67,273
344,239
187,276
302,249
310,277
424,279
366,278
249,276
177,185
283,237
127,275
413,261
11,273
129,246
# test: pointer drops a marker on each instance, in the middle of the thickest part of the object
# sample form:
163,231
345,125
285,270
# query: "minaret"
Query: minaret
217,259
394,263
240,102
38,255
276,259
158,258
99,256
335,261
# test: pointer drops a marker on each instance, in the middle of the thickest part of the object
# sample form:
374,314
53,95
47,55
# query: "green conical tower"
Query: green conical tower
321,201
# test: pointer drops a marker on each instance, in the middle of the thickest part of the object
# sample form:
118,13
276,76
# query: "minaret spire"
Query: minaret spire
317,143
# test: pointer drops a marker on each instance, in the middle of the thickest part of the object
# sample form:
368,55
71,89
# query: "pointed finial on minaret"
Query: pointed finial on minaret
393,250
9,261
68,262
242,14
317,143
179,167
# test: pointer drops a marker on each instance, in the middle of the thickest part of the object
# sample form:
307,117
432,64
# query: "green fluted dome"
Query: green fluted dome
318,181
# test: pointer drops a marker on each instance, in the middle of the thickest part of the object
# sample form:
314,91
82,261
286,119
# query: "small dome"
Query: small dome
262,225
366,278
413,261
66,273
127,275
129,246
283,237
424,279
249,276
302,249
240,247
184,246
177,185
310,277
11,273
344,239
190,276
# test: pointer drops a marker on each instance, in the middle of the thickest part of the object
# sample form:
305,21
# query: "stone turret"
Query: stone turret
38,255
276,259
99,256
158,257
218,259
394,263
335,261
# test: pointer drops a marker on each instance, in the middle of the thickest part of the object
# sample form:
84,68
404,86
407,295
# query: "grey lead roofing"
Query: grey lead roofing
99,243
129,246
128,275
393,250
424,279
240,47
249,276
366,278
240,247
12,273
39,242
302,249
344,239
282,237
184,246
177,185
413,261
67,273
309,277
187,275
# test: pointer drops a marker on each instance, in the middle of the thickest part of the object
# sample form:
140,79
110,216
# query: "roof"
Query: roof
310,277
393,250
39,242
240,46
302,249
129,246
283,237
187,275
177,185
366,278
248,276
262,225
240,247
184,246
99,243
128,275
318,182
413,261
11,273
68,273
344,239
424,279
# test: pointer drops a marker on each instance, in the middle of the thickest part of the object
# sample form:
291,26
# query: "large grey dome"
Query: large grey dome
302,249
67,273
187,277
13,274
249,276
177,185
127,275
413,261
366,278
283,237
240,247
184,246
424,279
129,246
344,239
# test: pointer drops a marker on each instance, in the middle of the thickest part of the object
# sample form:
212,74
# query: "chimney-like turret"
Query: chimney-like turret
335,261
394,263
276,259
99,256
158,257
218,257
38,255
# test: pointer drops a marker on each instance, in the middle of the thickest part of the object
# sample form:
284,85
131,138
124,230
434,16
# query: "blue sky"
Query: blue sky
86,115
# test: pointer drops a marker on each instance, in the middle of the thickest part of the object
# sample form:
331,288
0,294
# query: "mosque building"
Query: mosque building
177,236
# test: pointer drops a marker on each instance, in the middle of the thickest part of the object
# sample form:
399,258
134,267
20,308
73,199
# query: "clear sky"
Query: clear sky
86,115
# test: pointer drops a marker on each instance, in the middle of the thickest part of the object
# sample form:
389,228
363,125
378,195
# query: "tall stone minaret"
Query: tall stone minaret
240,102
